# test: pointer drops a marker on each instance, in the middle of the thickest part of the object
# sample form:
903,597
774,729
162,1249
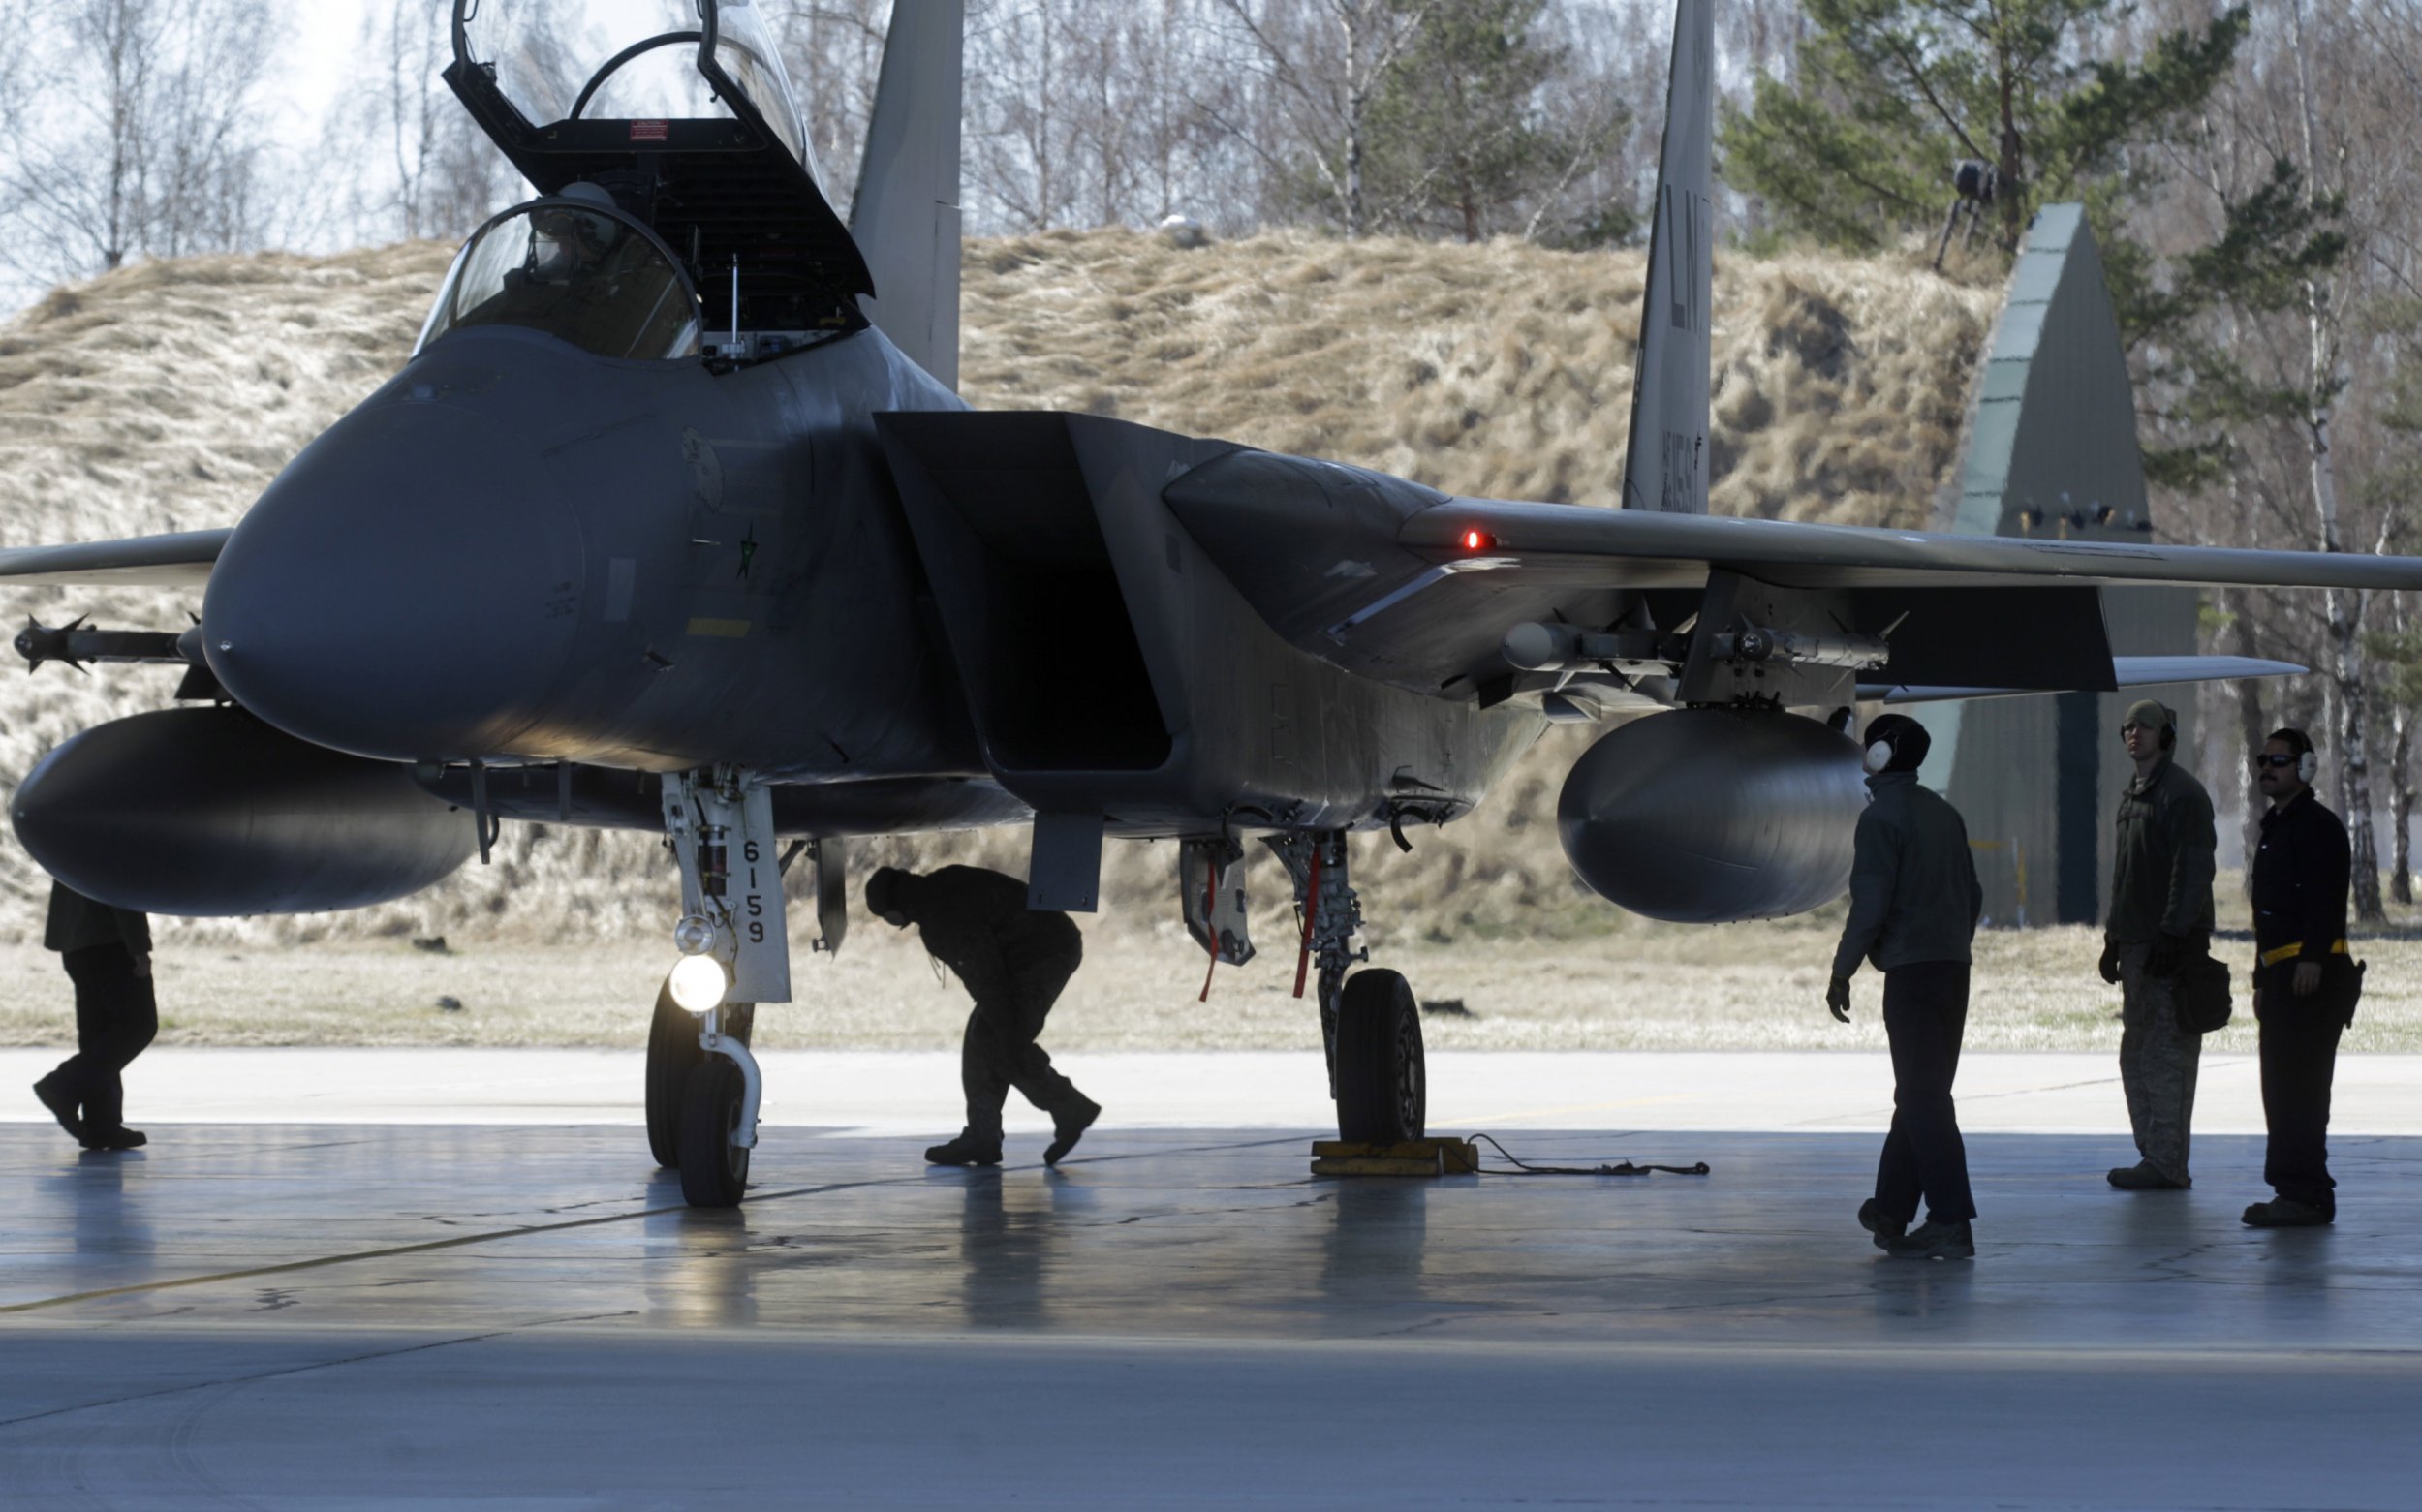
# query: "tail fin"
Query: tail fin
1666,467
905,216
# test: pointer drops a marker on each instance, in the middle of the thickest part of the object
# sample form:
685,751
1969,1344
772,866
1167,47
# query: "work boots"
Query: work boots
966,1150
2287,1213
118,1138
62,1107
2143,1176
1068,1127
1872,1219
1934,1240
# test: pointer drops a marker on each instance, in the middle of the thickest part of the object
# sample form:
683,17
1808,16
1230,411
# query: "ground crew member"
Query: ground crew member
107,955
2304,981
1014,961
1915,902
2160,915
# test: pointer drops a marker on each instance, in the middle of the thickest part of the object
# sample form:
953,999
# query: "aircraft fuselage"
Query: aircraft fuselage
514,550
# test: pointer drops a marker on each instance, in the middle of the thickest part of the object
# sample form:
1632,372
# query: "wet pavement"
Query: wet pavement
269,1315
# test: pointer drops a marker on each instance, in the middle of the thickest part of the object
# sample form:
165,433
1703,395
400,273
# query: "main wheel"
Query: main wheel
673,1054
714,1171
1383,1090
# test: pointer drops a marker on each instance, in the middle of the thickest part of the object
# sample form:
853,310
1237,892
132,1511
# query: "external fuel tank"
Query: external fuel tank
1708,816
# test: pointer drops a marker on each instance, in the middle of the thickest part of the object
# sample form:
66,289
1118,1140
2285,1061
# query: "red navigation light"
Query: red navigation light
1478,540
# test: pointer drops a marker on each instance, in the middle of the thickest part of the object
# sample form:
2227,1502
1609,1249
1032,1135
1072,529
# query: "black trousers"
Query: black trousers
2299,1059
999,1051
116,1015
1925,1012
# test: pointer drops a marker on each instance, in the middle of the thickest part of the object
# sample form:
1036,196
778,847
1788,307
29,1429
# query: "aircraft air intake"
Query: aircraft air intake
1712,816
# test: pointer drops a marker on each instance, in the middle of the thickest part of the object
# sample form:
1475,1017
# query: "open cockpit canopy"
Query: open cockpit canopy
683,111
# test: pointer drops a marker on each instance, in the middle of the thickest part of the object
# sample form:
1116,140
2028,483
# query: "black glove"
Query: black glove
1838,999
2109,965
2167,953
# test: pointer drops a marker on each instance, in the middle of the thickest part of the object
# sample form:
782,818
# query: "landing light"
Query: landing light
699,984
694,935
1478,540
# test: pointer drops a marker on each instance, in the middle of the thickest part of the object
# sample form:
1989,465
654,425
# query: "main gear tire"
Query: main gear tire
714,1171
673,1054
1383,1085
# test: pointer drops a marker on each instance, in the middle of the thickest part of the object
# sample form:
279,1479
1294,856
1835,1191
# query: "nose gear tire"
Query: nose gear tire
673,1054
1382,1086
714,1171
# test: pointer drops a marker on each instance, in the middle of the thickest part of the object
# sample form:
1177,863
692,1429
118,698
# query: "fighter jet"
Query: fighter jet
675,522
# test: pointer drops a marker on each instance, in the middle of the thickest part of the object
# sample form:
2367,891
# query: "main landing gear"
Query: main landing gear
1370,1023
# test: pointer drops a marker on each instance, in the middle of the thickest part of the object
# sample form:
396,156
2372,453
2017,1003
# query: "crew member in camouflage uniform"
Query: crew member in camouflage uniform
2161,917
1014,961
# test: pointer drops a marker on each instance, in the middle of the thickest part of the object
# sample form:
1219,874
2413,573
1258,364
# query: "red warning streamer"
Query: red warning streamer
1311,911
1210,930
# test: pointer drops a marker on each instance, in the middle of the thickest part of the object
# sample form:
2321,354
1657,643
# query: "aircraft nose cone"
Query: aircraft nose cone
406,590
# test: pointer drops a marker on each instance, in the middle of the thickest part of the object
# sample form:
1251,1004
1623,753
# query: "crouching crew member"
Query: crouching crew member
1915,902
2304,981
1014,961
2161,914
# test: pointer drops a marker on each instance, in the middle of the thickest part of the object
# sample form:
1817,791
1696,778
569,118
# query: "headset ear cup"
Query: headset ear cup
2307,765
1879,756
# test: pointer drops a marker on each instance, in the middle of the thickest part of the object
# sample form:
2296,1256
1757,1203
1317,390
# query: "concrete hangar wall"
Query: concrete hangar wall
2052,454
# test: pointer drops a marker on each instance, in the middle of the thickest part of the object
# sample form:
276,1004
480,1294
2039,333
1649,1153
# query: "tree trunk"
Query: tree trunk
2351,725
2400,806
1358,96
2250,727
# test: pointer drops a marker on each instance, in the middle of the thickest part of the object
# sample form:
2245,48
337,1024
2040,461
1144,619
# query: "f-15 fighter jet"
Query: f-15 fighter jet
673,521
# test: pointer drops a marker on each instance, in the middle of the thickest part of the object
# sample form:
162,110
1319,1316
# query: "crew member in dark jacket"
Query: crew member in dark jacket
2304,981
107,955
1915,902
1014,961
2160,915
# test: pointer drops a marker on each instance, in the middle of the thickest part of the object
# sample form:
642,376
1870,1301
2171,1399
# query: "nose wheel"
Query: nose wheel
714,1170
1383,1081
672,1056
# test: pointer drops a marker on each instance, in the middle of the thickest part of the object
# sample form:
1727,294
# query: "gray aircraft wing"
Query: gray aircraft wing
1395,581
182,560
2128,672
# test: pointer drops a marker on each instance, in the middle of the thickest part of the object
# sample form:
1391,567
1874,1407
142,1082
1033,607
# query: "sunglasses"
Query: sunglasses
2269,758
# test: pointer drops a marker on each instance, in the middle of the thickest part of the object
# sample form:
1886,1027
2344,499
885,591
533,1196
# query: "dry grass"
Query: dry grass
1741,987
166,396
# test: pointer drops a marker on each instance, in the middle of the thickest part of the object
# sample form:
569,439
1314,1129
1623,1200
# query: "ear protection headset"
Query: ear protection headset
2307,759
1889,736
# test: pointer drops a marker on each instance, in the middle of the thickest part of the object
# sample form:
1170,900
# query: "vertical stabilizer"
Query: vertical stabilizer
906,218
1666,467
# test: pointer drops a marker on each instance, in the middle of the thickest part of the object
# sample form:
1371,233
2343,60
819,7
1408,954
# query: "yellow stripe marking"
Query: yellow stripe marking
725,629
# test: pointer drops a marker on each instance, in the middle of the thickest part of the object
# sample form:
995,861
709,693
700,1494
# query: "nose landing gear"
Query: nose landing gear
703,1083
1370,1023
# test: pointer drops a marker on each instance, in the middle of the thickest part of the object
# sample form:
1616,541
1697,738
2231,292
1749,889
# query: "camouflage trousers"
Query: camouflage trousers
2158,1063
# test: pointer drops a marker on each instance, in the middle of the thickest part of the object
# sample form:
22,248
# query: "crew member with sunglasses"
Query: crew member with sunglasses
2304,981
2161,917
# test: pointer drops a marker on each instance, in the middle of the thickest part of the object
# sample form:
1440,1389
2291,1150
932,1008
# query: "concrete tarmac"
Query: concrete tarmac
266,1311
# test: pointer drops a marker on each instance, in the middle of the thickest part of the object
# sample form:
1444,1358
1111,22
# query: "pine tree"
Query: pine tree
1856,148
